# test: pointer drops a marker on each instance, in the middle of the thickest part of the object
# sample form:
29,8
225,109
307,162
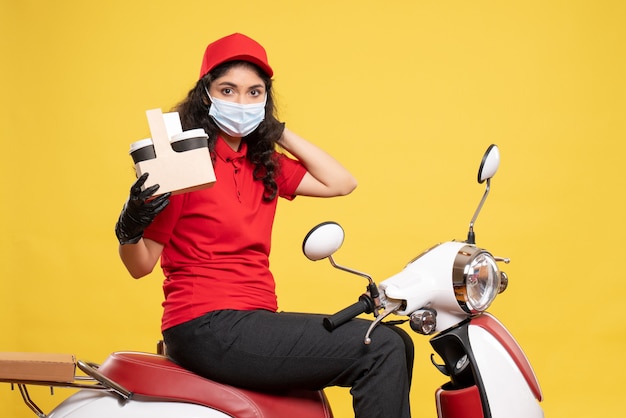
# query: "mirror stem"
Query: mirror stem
349,270
471,237
371,288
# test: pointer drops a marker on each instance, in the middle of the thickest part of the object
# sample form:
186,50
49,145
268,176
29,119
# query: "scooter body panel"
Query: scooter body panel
419,284
505,386
490,376
504,338
98,404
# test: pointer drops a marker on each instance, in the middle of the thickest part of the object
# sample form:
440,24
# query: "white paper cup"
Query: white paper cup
142,150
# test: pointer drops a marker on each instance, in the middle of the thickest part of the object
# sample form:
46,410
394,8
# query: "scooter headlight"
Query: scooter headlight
476,279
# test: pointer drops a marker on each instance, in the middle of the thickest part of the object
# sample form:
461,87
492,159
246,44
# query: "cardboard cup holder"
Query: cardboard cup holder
175,160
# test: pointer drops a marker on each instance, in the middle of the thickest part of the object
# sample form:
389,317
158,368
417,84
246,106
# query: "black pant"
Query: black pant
266,350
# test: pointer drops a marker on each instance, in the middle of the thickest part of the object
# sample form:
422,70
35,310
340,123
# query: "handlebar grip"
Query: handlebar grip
363,305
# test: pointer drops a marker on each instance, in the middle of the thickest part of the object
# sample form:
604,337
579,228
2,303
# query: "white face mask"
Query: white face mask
237,120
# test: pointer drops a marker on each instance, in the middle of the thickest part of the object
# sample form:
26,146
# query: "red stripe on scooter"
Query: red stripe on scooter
495,328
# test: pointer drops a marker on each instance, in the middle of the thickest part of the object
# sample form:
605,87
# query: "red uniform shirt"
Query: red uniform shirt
217,240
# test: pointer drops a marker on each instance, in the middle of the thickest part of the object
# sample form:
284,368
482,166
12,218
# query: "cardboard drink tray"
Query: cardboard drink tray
175,172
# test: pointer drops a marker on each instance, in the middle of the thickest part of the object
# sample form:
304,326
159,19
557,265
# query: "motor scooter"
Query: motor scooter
443,292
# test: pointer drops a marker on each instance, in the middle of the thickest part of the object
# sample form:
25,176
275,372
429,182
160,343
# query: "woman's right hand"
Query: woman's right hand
139,211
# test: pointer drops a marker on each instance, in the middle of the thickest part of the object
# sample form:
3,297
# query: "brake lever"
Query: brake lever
390,308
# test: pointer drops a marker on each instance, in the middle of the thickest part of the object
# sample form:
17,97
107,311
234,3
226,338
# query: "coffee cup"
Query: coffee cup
189,140
142,150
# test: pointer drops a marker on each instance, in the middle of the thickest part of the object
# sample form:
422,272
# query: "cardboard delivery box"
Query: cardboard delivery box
175,160
37,367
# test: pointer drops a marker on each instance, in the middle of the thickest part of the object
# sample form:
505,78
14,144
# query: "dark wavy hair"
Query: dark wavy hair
194,113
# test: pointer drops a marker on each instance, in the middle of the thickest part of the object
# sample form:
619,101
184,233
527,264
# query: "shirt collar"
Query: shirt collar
226,153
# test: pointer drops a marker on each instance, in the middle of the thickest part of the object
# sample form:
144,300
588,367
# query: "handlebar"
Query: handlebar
365,304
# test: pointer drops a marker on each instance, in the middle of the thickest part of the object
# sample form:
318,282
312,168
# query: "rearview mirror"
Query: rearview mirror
490,163
323,241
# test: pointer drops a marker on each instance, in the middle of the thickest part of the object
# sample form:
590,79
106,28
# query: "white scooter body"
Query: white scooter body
499,359
501,380
419,285
93,404
488,371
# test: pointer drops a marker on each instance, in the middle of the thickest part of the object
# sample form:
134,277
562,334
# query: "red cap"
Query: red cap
235,47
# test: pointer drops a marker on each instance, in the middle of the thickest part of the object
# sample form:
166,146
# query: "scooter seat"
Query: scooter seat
154,376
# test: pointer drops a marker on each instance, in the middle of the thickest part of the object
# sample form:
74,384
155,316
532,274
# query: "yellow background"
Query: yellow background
407,94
